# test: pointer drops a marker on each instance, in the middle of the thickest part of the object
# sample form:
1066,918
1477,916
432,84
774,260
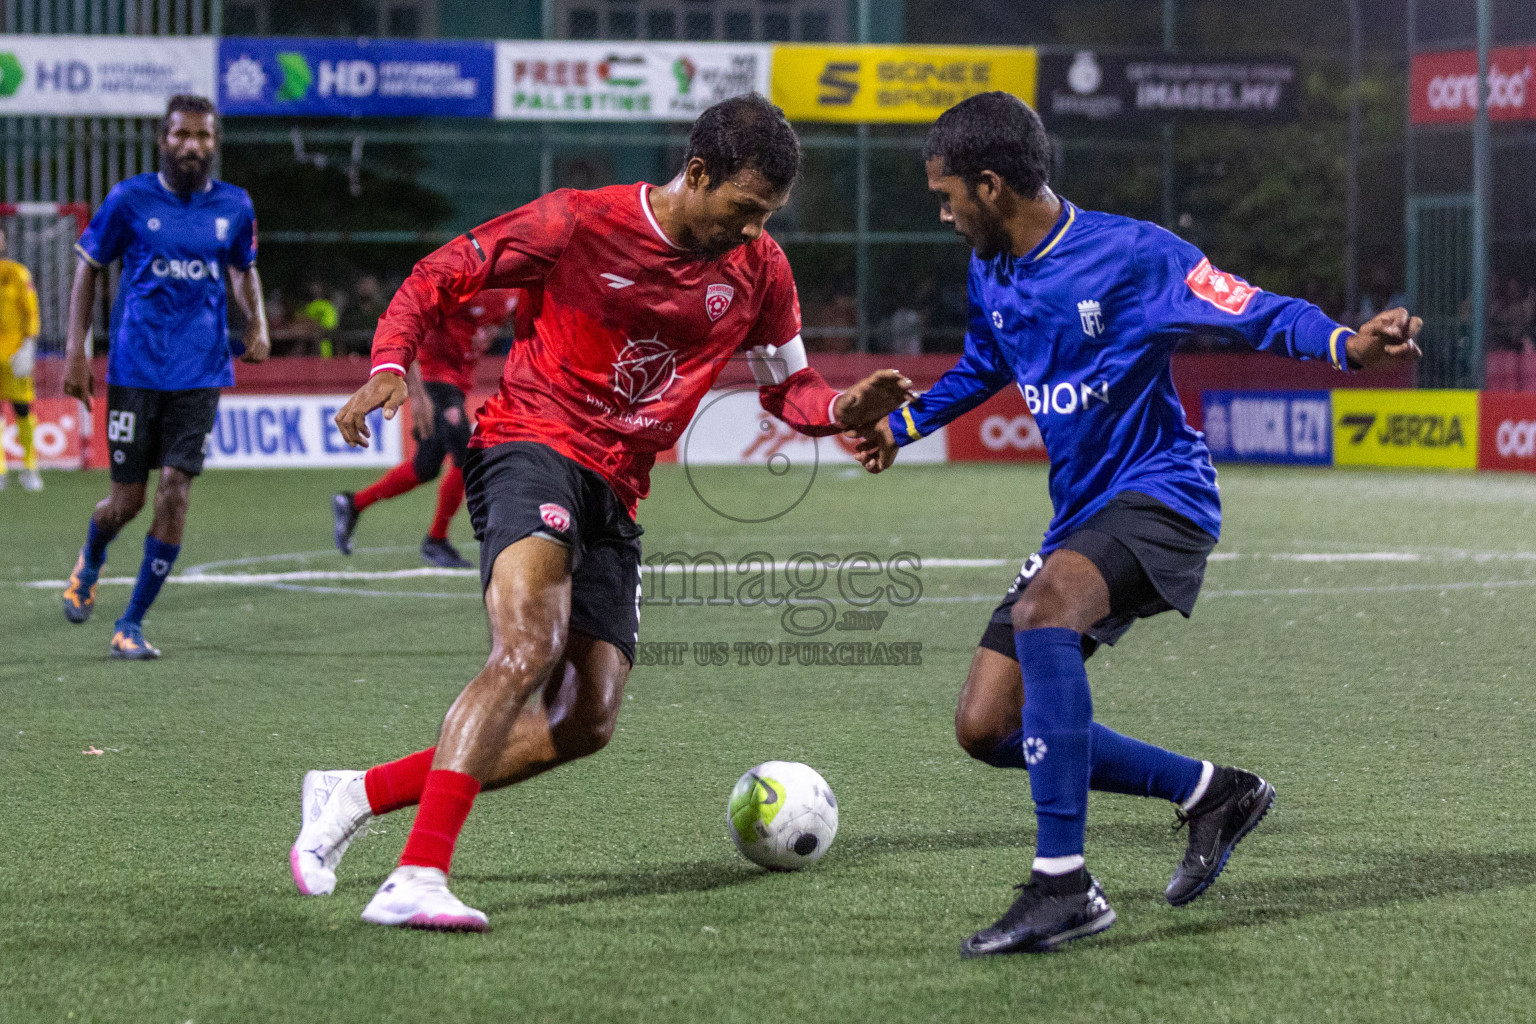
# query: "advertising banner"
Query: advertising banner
1269,426
907,84
1426,429
102,76
1442,87
731,428
556,81
355,77
57,435
288,431
999,430
1507,431
1107,87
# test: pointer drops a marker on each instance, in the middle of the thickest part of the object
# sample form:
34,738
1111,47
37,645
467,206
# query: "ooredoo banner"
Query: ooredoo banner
290,431
57,435
555,81
911,84
1427,429
731,428
1442,87
1001,429
1507,431
102,76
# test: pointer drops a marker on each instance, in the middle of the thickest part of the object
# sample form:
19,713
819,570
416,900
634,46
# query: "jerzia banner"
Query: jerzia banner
1110,87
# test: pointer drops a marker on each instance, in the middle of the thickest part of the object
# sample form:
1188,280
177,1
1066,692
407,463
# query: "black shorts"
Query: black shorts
1152,559
148,429
450,432
521,488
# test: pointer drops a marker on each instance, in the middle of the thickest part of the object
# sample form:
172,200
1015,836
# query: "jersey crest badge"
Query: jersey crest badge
555,516
717,299
1227,292
221,228
644,371
1092,316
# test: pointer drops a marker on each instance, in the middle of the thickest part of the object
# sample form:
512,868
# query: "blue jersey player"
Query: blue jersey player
1082,311
177,233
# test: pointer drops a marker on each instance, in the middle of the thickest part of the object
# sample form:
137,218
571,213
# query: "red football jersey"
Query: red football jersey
631,330
448,354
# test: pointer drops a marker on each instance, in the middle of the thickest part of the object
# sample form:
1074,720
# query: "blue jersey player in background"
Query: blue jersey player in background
1082,311
177,233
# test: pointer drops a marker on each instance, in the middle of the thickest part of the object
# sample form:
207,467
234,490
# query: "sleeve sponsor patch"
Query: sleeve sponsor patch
1226,292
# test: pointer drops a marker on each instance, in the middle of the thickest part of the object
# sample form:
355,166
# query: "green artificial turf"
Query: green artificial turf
1390,702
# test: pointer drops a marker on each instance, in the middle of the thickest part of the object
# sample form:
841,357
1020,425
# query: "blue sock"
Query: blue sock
96,541
158,559
1058,714
1120,765
1125,765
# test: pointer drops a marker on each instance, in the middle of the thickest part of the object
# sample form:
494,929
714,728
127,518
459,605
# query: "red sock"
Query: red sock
397,481
445,803
450,494
397,784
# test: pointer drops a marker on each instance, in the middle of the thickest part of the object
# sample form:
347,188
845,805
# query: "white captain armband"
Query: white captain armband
774,364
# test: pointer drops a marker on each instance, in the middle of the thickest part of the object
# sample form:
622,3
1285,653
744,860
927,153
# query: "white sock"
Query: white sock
1058,865
354,800
1206,771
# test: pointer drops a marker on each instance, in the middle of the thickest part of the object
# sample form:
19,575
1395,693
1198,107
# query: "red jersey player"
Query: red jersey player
437,382
645,294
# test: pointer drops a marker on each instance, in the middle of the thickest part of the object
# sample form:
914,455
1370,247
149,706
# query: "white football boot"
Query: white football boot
335,809
31,480
418,897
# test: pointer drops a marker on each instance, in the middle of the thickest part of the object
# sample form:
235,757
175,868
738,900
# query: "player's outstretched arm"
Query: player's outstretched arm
385,391
1387,337
872,399
82,304
247,292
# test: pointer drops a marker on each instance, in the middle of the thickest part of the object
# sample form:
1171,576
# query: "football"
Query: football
782,815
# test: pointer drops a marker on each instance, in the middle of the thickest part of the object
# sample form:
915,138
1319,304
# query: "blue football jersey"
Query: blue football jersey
1086,324
169,329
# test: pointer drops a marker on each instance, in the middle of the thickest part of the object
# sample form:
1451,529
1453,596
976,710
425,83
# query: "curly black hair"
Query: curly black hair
992,131
745,132
186,103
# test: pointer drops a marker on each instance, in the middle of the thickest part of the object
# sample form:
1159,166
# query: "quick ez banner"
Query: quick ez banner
355,77
1269,426
288,431
106,76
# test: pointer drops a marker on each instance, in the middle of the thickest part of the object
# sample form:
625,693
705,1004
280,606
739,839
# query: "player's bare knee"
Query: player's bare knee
1041,606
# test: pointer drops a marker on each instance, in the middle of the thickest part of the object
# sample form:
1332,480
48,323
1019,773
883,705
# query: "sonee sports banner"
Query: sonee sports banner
911,84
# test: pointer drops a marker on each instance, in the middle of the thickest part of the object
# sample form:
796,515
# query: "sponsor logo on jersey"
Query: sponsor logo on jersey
556,517
1092,316
185,270
717,299
1227,292
644,371
1065,397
